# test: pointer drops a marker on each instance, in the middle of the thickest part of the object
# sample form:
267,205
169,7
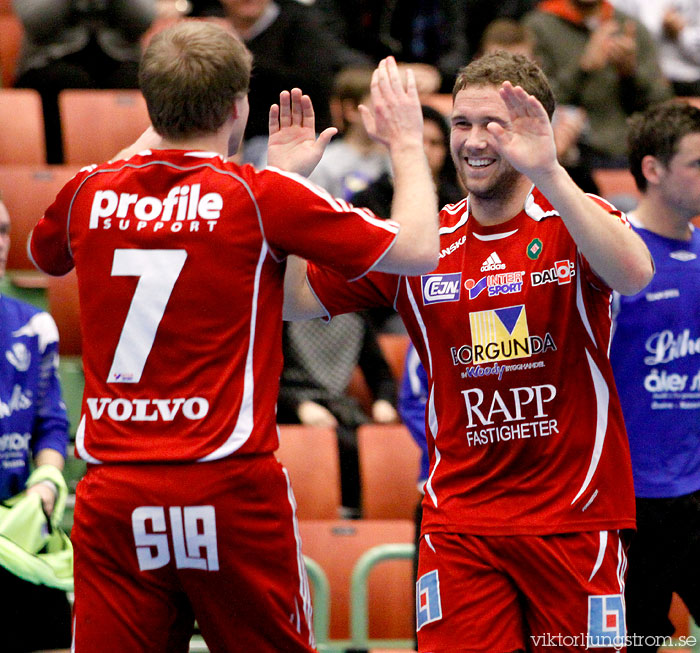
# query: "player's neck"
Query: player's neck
210,143
657,217
497,210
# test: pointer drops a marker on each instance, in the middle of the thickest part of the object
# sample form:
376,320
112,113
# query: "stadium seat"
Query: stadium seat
63,306
337,546
389,468
27,191
98,123
22,134
10,43
615,182
310,455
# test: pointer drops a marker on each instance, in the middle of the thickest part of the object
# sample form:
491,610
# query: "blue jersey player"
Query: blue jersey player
655,355
33,428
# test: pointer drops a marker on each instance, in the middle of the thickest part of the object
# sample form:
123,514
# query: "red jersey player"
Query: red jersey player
180,254
530,482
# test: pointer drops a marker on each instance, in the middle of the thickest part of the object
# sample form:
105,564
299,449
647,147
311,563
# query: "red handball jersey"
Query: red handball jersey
524,425
180,258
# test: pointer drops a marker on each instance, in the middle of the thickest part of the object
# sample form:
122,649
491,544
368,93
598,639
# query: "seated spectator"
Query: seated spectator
353,160
319,360
33,430
429,32
568,122
290,49
603,61
436,140
78,44
675,24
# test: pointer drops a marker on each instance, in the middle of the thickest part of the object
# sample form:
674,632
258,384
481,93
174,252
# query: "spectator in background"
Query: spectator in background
33,429
568,122
436,141
603,61
78,44
319,360
352,160
675,24
655,355
426,31
290,49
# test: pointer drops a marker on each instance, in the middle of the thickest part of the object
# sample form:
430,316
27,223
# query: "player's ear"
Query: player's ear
652,169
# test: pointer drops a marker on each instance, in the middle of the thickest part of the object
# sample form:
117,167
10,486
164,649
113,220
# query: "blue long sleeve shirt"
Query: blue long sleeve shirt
32,413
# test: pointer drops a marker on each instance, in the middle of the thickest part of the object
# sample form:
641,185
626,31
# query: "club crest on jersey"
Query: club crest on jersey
500,334
562,273
534,249
497,284
606,621
441,287
492,263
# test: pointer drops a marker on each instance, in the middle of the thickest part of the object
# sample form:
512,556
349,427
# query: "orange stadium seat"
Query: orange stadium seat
22,132
336,546
389,468
310,455
10,43
28,190
98,123
613,182
65,310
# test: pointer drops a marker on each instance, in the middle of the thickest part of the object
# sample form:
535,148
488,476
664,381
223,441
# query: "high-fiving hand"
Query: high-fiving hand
292,143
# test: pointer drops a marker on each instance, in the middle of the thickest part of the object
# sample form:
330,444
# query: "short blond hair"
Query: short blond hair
191,74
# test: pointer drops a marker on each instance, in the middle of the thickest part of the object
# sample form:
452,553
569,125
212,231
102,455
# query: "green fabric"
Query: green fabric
31,547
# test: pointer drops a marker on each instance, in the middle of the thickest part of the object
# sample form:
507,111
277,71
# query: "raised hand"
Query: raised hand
395,117
292,143
527,141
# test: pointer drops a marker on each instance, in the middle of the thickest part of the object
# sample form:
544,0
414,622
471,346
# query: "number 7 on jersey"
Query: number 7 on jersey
158,271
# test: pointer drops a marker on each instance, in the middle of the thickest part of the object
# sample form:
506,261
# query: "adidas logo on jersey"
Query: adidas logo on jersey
181,204
493,262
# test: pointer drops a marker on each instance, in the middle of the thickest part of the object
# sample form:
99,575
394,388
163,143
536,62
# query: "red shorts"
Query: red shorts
157,546
536,593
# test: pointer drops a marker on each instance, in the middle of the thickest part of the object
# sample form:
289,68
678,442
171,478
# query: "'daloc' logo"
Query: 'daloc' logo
441,287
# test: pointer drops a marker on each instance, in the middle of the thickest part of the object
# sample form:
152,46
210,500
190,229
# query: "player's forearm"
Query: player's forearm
415,208
615,252
299,302
49,457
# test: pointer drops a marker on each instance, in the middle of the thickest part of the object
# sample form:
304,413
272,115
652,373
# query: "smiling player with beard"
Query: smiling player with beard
530,486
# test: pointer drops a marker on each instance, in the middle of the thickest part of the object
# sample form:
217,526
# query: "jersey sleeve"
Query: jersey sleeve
301,218
588,273
337,295
49,245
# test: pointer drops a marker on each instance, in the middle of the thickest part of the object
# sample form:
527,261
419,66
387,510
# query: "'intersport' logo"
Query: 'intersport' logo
441,287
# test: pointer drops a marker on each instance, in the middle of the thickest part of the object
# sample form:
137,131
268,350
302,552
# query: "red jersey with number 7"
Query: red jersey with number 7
180,258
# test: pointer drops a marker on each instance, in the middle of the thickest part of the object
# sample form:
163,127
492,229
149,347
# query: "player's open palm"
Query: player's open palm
528,140
292,143
396,117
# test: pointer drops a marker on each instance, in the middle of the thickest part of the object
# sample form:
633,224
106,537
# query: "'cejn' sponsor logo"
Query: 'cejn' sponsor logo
147,410
517,414
441,287
500,334
562,273
182,205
